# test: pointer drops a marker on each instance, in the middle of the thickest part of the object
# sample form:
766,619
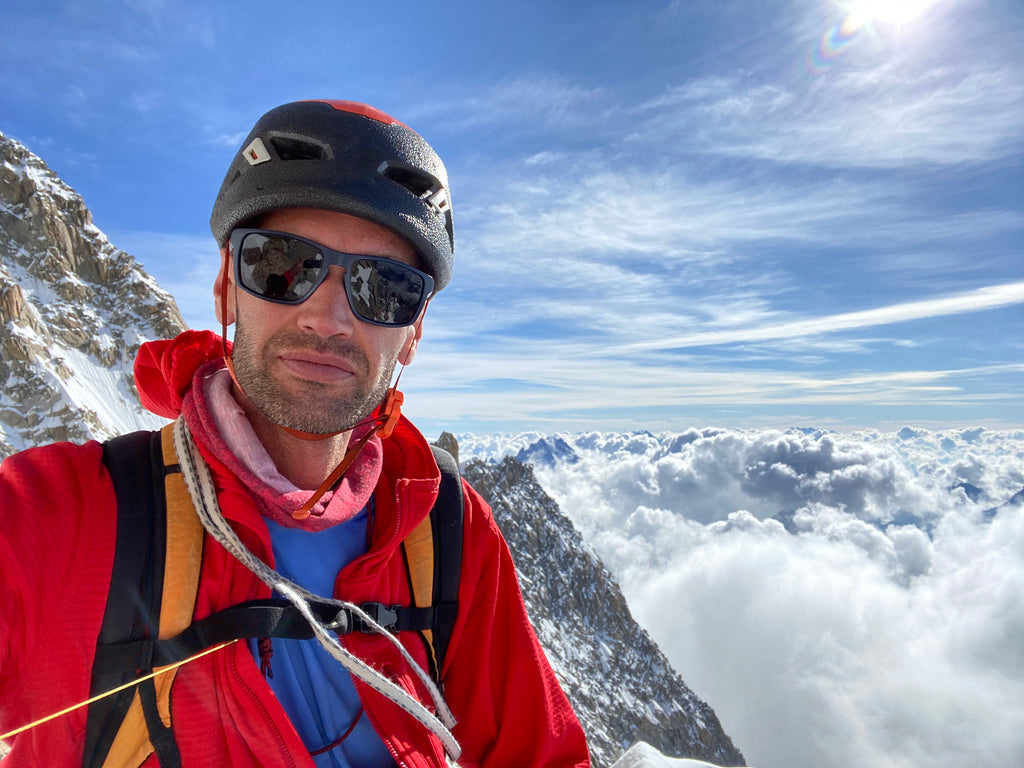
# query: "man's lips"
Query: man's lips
317,366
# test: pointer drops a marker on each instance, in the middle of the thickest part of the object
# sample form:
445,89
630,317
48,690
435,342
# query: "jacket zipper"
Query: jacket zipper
369,553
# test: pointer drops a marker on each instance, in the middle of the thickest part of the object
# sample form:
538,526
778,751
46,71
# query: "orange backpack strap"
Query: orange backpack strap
433,557
145,600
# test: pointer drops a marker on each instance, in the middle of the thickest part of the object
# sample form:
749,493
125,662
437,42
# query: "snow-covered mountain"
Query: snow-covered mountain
75,310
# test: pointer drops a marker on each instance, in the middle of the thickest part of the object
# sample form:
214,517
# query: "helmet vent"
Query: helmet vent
415,181
291,148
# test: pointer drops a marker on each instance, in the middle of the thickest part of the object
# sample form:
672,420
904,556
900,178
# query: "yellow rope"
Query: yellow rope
87,702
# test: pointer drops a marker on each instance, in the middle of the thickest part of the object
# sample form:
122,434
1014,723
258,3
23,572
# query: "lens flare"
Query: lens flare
857,18
834,42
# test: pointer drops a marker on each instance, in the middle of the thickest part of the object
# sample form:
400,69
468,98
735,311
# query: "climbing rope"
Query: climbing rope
204,496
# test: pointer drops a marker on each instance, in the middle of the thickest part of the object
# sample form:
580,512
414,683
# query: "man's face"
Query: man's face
314,366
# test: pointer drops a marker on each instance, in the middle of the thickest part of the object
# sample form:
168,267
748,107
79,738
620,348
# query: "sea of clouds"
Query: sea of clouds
839,599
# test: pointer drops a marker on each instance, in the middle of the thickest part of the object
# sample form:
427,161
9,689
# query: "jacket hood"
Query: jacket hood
164,369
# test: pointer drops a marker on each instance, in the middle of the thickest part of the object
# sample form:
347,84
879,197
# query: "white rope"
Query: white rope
204,496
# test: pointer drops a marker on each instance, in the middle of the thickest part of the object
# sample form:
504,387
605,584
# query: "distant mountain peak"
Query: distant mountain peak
547,452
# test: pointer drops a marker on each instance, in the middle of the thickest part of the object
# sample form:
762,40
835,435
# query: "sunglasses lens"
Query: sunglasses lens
279,268
384,291
288,270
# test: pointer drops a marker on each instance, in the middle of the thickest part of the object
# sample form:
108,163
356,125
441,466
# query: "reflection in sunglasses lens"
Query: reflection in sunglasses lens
385,292
289,270
279,268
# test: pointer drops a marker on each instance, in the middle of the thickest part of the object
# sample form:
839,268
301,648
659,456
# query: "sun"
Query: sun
859,16
896,12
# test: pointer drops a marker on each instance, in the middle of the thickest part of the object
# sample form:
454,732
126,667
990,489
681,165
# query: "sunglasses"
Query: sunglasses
286,269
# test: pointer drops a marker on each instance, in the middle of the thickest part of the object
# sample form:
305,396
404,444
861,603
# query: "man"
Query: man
335,229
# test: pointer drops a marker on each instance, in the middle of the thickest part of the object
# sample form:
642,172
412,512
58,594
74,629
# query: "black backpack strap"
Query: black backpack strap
273,617
135,464
447,524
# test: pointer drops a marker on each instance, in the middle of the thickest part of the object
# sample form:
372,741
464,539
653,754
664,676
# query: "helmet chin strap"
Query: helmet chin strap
387,417
388,414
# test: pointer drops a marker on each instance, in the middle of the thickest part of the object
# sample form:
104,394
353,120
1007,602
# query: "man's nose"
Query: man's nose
327,311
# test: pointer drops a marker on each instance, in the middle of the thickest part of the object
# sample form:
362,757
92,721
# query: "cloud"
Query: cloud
228,140
896,102
827,593
518,104
594,246
809,635
582,242
891,114
587,381
989,297
706,476
595,210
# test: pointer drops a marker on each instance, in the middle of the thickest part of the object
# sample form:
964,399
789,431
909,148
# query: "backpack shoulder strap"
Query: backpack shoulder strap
447,516
433,559
156,524
433,554
131,596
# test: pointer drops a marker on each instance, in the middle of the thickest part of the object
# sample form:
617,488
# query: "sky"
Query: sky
840,599
713,220
668,214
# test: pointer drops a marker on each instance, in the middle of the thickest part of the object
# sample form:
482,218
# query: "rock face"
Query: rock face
74,310
620,684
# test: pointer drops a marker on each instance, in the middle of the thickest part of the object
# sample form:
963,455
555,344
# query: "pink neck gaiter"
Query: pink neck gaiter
218,422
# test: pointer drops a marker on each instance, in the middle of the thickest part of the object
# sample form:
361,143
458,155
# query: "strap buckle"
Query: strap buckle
385,615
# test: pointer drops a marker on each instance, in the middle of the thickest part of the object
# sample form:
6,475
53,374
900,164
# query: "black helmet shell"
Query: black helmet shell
346,157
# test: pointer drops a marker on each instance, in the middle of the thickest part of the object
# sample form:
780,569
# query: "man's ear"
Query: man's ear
223,290
408,351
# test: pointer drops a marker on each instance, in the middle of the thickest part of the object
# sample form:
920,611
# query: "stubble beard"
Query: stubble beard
311,407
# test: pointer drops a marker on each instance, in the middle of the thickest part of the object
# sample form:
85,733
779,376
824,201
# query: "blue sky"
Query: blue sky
668,214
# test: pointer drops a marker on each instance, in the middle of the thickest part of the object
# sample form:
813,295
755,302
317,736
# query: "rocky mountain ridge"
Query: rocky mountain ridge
74,310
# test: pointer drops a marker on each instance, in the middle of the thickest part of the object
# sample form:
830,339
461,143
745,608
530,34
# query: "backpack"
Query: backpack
147,622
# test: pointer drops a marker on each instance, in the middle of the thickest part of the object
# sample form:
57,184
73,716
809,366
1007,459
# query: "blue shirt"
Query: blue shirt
315,690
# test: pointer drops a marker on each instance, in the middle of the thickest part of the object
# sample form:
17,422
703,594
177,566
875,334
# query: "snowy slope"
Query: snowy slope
643,755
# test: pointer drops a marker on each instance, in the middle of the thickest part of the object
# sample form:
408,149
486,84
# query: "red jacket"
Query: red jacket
57,527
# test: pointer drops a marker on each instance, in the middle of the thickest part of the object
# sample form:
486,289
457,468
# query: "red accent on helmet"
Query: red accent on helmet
365,110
